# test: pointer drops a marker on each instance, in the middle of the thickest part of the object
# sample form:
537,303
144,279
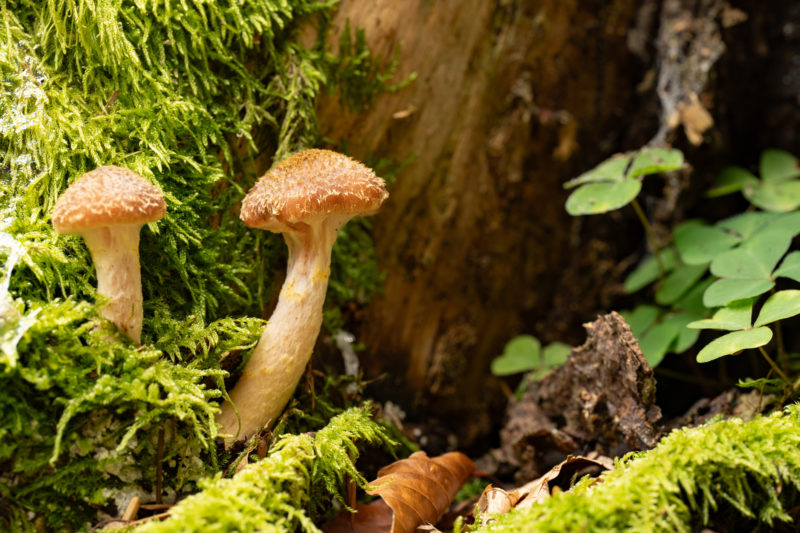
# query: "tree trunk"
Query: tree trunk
510,99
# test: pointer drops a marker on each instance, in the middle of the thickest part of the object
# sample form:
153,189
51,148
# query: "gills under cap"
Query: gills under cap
107,196
311,184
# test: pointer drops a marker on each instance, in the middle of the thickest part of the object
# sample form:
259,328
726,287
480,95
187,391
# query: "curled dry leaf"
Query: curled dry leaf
495,501
416,491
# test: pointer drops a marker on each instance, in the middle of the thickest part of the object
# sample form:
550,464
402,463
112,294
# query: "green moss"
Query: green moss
198,97
282,492
750,469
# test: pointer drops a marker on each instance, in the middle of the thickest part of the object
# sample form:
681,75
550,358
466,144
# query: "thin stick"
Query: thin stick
160,516
132,509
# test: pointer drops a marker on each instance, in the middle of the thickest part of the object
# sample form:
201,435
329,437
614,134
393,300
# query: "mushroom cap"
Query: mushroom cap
107,196
311,185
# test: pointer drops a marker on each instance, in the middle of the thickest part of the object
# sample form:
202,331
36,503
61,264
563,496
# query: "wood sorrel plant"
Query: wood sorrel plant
721,276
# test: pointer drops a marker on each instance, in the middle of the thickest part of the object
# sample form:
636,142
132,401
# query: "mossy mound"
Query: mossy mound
198,97
699,477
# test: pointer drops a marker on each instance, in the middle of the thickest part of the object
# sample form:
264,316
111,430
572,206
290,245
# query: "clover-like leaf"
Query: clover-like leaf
610,170
736,316
520,355
657,340
692,301
654,160
647,271
732,179
782,304
680,280
641,318
726,290
734,342
790,267
745,224
555,354
777,166
686,337
775,196
756,258
789,222
698,243
596,198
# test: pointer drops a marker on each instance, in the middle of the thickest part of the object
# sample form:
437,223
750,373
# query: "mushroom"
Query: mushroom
107,207
307,197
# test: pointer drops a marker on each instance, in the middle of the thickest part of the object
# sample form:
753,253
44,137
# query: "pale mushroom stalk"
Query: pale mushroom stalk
307,197
115,253
285,347
107,207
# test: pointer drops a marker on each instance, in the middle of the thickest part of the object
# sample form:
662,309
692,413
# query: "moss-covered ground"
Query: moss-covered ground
199,97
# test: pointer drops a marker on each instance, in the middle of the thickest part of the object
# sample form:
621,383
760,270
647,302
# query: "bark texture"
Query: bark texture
511,98
601,401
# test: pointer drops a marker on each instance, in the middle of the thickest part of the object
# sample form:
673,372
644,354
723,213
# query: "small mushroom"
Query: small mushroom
307,197
107,207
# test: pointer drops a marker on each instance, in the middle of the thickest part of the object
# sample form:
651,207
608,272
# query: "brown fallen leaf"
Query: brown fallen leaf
414,491
495,501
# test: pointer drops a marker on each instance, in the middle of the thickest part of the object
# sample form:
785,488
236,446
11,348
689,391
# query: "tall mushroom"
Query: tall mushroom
307,197
107,207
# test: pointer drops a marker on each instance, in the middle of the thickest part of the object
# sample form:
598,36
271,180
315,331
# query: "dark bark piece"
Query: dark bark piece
601,399
734,402
606,390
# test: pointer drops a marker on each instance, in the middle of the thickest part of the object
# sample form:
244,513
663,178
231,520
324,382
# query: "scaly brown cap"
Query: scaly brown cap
309,185
107,196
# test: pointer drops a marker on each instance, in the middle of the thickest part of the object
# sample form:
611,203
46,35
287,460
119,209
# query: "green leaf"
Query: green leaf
678,282
745,224
610,170
641,318
647,271
555,354
686,337
520,355
736,316
775,196
790,222
756,258
777,166
726,290
655,160
698,243
732,179
734,342
692,301
657,341
595,198
782,304
790,267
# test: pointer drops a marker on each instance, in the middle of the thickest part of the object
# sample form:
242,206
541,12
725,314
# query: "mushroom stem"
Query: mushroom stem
115,252
279,359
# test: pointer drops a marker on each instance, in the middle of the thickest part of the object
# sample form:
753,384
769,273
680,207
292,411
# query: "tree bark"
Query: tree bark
510,100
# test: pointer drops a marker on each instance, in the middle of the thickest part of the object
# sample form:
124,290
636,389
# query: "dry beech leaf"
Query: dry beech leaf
414,491
495,501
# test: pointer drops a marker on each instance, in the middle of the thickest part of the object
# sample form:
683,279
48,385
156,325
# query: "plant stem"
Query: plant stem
651,238
779,344
775,367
